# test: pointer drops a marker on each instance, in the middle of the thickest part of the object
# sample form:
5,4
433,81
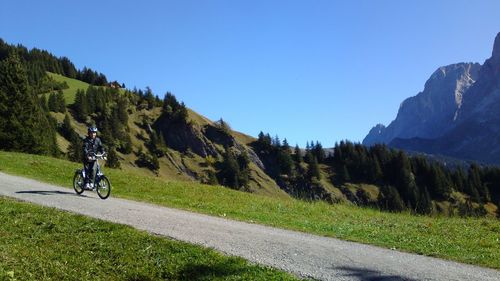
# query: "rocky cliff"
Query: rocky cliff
433,111
468,129
475,134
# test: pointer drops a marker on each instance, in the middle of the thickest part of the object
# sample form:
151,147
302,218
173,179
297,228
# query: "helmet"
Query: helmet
92,129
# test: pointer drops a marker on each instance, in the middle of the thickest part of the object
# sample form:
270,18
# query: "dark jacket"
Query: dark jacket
91,146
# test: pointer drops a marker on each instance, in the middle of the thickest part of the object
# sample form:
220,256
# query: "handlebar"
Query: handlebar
95,156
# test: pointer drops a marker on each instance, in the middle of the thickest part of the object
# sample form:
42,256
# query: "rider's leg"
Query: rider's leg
86,168
86,179
94,171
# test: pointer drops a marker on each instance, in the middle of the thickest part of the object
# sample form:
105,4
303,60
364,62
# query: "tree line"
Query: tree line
406,183
38,62
415,180
25,122
25,125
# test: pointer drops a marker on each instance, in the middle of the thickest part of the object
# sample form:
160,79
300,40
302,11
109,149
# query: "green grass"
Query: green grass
468,240
74,85
261,182
40,243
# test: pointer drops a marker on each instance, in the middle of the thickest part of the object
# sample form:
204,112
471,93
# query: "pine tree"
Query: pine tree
183,113
376,174
390,200
24,126
52,104
313,169
424,204
459,178
67,130
285,161
261,137
107,132
407,187
276,141
146,160
475,187
230,170
285,146
150,98
90,96
345,176
319,152
126,145
170,103
122,105
61,102
244,169
440,188
113,161
297,154
473,183
80,106
212,178
43,103
75,152
68,68
158,102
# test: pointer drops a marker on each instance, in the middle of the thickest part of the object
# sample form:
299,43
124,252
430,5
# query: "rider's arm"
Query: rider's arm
85,148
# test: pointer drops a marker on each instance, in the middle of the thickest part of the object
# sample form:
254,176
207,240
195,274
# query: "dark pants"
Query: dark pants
90,171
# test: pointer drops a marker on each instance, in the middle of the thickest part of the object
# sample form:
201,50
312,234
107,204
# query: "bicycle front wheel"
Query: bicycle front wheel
103,188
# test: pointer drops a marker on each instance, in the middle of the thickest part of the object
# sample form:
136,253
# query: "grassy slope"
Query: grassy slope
74,85
39,243
263,184
474,241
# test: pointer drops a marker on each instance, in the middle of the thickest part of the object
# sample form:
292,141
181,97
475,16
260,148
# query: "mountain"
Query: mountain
457,114
164,138
431,111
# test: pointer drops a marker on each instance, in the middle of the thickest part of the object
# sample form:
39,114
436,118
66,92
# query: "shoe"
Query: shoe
87,186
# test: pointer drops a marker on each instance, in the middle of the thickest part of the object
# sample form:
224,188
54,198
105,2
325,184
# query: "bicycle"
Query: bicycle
101,183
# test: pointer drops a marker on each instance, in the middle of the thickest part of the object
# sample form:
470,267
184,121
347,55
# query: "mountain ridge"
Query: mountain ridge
432,110
474,131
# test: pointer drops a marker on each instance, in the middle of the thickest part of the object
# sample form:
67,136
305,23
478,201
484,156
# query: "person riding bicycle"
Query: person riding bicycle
91,146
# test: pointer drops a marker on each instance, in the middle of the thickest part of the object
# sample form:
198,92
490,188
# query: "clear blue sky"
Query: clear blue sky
304,70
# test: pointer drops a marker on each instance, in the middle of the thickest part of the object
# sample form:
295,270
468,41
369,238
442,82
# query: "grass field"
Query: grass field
74,85
468,240
39,243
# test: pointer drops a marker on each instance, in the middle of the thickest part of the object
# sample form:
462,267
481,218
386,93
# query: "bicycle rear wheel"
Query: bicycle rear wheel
103,187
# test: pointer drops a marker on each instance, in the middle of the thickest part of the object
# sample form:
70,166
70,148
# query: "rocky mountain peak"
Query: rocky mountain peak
457,114
496,48
432,111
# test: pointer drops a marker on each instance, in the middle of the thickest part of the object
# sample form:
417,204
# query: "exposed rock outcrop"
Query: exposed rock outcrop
433,111
468,129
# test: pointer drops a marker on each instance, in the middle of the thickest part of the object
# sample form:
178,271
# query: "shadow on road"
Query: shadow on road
370,275
47,192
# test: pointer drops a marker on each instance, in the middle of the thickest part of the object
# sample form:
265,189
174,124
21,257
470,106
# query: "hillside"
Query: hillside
193,150
51,103
175,165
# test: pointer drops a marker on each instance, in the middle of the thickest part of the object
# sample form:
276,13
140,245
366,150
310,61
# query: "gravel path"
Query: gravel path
302,254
